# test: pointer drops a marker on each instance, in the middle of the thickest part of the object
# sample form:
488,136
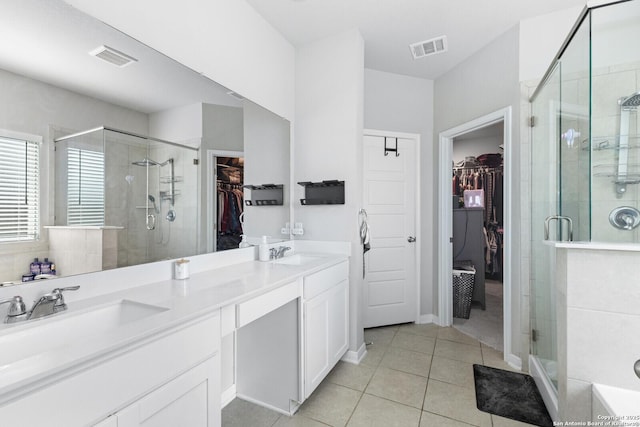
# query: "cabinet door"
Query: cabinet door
326,333
316,351
183,401
338,322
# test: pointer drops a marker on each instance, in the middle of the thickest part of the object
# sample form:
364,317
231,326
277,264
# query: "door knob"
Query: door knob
411,239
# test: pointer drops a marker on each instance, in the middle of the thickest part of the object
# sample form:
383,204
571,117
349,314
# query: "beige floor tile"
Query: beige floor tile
380,336
240,413
375,353
400,387
330,404
452,372
458,351
373,411
412,362
452,334
506,422
455,402
296,421
433,420
426,330
352,376
414,342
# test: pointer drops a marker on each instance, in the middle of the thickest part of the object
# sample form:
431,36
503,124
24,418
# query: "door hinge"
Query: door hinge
450,239
534,335
532,121
196,162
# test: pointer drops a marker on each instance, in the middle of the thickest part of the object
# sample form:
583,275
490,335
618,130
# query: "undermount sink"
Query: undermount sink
37,336
296,259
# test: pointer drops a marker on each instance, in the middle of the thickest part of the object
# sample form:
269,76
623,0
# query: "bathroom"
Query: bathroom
325,144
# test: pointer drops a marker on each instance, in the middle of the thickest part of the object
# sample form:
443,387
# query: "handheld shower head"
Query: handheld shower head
153,200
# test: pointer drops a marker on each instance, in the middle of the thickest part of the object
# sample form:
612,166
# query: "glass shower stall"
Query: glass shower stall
585,158
143,187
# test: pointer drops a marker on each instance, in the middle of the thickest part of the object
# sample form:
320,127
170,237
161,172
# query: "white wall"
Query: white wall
36,108
540,40
399,103
328,145
486,82
180,124
226,40
267,161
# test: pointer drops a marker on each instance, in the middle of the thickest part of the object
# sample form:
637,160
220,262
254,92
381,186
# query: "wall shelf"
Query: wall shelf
264,195
323,193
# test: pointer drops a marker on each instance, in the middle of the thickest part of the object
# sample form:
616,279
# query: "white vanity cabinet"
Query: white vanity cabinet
182,401
157,380
325,323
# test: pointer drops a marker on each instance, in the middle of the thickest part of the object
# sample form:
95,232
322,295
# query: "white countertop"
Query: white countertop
185,300
595,246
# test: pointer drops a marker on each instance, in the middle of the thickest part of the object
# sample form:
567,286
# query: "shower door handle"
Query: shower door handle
151,222
558,218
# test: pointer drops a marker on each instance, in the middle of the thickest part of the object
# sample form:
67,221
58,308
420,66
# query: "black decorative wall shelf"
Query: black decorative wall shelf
323,193
265,195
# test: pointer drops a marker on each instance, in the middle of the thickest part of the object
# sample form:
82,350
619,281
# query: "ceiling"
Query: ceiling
389,26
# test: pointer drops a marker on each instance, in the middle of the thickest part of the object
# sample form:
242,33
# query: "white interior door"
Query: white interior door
390,284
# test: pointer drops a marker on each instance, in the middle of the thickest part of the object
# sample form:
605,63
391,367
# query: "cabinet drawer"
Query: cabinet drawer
319,282
257,307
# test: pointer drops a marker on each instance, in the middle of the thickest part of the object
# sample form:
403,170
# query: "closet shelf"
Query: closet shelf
264,186
323,193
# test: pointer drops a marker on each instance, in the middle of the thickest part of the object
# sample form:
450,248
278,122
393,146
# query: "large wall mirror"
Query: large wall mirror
140,159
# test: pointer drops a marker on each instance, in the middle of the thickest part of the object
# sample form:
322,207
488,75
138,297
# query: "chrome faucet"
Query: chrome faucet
279,252
48,304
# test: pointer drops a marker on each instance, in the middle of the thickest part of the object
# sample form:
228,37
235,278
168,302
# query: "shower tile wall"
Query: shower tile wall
610,84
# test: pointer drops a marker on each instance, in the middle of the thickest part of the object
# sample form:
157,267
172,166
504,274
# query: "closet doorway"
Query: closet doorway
446,245
478,233
226,177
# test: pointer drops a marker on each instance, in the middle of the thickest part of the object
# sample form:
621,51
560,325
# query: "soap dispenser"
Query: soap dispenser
263,249
243,242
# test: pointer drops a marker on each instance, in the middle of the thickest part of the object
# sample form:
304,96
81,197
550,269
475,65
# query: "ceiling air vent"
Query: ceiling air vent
113,56
429,47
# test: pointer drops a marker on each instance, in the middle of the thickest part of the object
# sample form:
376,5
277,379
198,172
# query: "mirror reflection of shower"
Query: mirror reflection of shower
153,210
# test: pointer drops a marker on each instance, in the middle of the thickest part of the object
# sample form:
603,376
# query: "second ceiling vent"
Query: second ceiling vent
429,47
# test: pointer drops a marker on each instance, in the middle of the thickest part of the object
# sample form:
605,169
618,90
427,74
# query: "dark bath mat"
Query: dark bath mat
510,395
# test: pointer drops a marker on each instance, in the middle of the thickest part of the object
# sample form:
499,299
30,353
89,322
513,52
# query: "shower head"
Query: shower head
145,162
153,200
630,102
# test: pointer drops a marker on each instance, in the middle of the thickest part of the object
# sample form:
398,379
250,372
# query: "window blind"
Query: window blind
19,190
85,187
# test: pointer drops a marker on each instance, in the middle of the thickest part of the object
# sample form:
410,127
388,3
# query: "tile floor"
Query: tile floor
413,375
486,325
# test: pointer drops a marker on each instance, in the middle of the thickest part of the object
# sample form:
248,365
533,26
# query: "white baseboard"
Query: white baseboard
514,361
355,357
227,396
428,318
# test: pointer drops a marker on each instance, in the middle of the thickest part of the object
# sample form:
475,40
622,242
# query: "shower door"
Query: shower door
544,203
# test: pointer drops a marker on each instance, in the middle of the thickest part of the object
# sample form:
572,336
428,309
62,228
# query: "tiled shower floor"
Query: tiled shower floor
413,375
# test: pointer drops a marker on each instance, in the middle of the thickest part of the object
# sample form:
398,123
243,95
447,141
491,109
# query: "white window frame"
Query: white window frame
85,187
31,232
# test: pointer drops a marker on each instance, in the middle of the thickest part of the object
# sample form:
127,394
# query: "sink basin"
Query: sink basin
36,336
297,259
